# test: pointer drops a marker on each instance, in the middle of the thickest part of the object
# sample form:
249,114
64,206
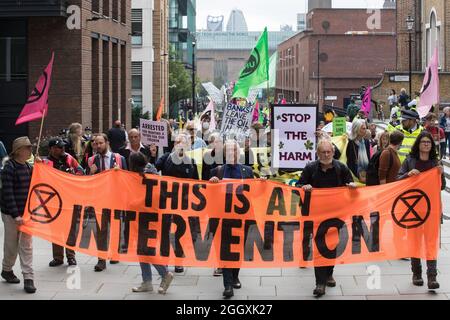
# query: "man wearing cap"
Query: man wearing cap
60,160
16,179
411,129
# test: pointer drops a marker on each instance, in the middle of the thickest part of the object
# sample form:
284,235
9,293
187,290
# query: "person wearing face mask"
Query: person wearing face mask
325,173
206,122
410,129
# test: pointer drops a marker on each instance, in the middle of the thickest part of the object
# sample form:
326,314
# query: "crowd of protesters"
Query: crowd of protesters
405,149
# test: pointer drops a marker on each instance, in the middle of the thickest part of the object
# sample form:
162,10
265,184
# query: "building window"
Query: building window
106,81
433,35
106,8
95,83
136,83
137,101
136,27
115,10
96,6
123,83
13,59
123,11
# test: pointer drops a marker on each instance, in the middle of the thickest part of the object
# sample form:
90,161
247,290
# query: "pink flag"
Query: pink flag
37,103
429,95
209,111
256,113
366,105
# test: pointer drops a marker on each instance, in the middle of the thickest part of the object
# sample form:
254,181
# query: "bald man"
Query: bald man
134,145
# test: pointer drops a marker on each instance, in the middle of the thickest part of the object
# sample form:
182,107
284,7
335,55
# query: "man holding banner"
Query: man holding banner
102,161
325,173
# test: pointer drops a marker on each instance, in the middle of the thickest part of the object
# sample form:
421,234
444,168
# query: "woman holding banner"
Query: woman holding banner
231,170
423,157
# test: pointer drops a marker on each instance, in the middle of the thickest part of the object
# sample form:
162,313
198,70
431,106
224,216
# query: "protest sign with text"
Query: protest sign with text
153,132
294,140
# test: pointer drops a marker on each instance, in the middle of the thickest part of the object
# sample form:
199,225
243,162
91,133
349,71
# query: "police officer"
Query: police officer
411,129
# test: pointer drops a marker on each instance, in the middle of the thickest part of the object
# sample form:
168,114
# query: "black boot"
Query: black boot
416,268
432,282
431,274
417,279
228,293
319,290
100,266
29,286
10,277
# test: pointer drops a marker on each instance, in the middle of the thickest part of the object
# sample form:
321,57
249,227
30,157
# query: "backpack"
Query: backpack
372,171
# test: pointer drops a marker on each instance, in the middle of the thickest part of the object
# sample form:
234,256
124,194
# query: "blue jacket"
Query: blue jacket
443,122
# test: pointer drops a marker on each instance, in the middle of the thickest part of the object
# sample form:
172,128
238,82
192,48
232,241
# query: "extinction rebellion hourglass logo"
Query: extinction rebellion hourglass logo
45,203
411,209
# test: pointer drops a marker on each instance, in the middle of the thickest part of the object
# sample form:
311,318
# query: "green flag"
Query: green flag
272,72
256,70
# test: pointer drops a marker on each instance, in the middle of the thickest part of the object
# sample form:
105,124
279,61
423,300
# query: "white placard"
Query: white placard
294,140
153,132
236,120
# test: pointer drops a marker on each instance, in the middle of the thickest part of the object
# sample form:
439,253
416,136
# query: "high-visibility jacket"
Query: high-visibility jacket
408,141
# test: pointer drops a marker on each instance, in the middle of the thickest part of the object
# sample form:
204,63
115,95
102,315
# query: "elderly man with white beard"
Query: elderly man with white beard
325,173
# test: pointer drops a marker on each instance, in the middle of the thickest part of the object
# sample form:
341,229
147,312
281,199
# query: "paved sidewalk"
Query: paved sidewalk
198,283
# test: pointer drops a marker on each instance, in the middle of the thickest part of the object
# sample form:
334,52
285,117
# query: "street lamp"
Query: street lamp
410,26
194,104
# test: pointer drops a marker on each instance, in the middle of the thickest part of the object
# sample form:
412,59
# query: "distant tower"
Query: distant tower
314,4
236,22
215,23
389,4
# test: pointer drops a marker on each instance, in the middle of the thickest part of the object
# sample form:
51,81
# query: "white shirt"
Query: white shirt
129,147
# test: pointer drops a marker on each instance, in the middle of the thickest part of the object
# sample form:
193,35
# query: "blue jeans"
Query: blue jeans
447,142
147,271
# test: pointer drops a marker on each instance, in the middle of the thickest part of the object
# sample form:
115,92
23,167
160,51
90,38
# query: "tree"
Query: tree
136,115
179,82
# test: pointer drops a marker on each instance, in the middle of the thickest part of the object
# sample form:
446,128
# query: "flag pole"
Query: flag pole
40,135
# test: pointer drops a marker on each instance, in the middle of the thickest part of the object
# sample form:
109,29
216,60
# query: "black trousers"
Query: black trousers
416,267
229,276
322,274
58,253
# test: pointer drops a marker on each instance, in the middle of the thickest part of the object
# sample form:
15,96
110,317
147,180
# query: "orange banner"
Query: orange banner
123,216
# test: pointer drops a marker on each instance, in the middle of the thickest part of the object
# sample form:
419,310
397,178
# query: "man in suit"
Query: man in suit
104,160
231,170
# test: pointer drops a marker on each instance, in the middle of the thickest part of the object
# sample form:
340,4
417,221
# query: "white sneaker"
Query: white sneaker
165,283
145,286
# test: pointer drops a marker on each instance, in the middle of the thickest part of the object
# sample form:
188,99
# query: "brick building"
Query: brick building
431,28
351,55
161,52
91,80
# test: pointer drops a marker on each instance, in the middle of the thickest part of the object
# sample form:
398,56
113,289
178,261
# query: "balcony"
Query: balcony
33,8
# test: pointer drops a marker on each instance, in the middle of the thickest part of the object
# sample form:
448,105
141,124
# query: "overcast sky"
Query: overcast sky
270,13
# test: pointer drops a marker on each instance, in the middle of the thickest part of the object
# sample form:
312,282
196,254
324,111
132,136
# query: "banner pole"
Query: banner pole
40,134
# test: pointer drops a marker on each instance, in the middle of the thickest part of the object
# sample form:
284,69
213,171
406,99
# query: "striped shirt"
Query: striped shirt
16,179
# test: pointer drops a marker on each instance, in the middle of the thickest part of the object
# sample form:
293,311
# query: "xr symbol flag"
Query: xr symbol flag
411,209
45,203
